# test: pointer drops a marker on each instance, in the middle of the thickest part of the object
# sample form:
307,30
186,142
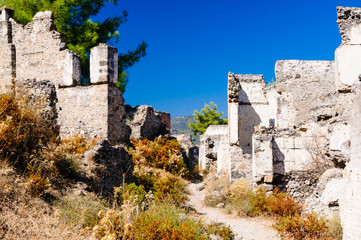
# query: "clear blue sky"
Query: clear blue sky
194,44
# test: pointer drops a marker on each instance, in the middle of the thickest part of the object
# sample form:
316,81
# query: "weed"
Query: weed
37,183
220,229
335,228
126,192
80,210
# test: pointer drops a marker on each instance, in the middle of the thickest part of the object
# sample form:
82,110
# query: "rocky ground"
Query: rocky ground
244,228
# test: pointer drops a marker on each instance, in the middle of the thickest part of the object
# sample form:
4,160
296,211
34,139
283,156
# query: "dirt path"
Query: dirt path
245,229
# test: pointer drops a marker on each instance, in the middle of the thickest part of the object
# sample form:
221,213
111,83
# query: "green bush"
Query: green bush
166,222
129,191
220,229
171,189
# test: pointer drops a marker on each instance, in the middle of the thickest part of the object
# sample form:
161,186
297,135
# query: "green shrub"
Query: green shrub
129,191
171,189
166,222
220,229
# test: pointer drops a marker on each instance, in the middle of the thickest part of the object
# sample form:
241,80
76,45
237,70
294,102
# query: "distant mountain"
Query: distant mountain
179,125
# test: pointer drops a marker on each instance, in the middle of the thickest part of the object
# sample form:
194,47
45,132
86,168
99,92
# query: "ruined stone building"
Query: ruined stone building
35,60
297,134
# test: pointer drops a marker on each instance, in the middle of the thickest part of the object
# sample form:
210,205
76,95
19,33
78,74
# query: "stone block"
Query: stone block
233,123
103,64
72,72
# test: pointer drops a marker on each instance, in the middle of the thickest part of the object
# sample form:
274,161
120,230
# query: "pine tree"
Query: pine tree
208,116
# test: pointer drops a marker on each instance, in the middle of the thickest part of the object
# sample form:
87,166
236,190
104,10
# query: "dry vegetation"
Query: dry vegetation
38,172
290,220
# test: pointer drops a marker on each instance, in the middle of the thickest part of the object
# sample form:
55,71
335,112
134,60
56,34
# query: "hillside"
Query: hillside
179,125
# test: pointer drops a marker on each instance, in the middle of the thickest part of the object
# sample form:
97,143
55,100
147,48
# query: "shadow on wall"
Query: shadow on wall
248,119
278,162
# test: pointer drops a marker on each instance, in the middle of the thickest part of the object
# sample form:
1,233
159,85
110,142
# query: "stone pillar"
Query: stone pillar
72,72
233,109
351,198
5,13
103,64
7,52
348,54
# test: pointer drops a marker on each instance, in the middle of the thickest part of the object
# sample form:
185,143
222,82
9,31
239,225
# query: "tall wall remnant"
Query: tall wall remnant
36,51
297,128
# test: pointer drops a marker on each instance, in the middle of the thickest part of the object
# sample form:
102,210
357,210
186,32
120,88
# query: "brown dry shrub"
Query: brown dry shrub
281,204
309,227
161,153
23,132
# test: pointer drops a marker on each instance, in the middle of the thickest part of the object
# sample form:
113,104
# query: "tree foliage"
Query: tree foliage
72,19
208,116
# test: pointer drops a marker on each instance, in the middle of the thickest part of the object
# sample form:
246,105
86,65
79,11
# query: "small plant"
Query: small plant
335,228
220,229
128,191
77,144
36,182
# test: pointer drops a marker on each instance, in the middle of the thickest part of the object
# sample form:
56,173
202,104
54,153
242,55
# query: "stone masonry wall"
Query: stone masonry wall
41,54
36,51
350,201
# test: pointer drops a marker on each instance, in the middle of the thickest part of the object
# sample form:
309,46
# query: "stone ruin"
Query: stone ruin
34,60
301,133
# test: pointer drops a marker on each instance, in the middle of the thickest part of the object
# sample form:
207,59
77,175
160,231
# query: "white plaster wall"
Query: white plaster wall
262,157
216,130
252,92
233,123
355,34
348,64
350,201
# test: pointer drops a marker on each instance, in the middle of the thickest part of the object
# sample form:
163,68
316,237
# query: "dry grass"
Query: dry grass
23,216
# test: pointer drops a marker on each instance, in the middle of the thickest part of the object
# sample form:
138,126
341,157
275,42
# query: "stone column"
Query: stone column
7,52
72,72
233,109
103,64
348,54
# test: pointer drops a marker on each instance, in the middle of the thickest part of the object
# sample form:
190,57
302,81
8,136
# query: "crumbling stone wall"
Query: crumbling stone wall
145,122
41,53
36,51
289,134
210,144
